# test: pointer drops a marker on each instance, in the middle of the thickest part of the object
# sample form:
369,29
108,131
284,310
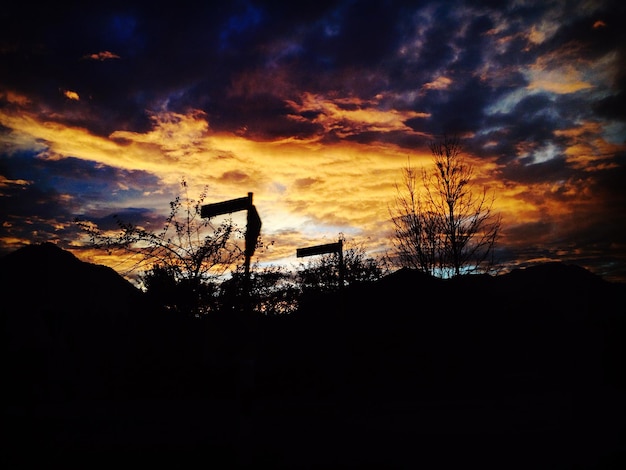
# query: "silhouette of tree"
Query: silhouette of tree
181,262
416,239
273,290
325,273
445,228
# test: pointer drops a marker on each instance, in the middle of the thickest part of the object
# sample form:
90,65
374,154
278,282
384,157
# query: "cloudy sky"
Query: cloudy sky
316,107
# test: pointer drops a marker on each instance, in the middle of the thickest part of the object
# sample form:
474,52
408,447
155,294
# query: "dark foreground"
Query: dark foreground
520,372
549,429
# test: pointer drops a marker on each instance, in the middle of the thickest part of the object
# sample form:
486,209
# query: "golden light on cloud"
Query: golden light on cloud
348,116
5,182
72,95
305,191
532,203
587,150
561,80
440,83
581,157
176,135
299,186
563,70
538,34
14,98
101,56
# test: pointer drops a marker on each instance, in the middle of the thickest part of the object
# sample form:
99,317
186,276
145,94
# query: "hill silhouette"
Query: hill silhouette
392,373
67,324
46,277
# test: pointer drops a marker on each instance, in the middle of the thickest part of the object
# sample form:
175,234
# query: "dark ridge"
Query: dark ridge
406,277
46,277
68,325
555,273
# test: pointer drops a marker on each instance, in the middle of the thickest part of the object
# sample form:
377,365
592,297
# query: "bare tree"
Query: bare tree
179,262
445,228
416,240
273,290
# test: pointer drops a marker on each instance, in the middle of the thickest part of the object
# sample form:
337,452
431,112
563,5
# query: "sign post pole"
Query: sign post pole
253,229
246,335
323,249
342,364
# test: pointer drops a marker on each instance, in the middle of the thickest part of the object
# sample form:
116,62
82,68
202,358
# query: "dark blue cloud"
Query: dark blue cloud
238,24
59,190
137,216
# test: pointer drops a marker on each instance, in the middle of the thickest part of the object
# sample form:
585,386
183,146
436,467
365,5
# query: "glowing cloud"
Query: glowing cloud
72,95
560,81
348,116
586,150
5,182
440,83
297,184
101,56
14,98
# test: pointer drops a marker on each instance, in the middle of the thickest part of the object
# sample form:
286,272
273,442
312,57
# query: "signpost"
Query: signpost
323,249
320,249
253,224
226,207
246,335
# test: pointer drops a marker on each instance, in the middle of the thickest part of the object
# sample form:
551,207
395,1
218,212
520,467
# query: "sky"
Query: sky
315,108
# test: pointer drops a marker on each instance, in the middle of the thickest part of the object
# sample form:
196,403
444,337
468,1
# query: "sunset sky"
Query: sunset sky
316,107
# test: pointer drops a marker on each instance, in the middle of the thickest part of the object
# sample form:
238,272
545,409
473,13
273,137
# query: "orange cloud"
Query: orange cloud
348,116
72,95
234,176
551,77
101,56
6,182
564,70
587,150
299,186
542,31
440,83
14,98
306,182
